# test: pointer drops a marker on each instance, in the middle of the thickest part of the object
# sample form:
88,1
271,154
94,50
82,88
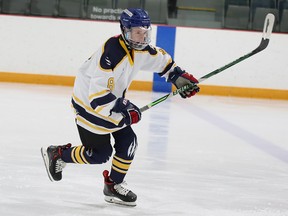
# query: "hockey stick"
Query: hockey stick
267,30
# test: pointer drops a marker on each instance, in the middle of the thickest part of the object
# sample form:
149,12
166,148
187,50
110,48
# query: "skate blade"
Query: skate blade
115,200
46,162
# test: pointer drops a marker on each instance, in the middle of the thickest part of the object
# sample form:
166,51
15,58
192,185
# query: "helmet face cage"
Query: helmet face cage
129,20
136,44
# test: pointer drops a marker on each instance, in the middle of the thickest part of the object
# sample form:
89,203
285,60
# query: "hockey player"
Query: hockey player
102,109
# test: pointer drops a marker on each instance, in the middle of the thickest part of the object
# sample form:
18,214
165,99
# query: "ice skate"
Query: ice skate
53,162
117,193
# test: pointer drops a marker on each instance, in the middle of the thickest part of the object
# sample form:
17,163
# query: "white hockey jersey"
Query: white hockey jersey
106,76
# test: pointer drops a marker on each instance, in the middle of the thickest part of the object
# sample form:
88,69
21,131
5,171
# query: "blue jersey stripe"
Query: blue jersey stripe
94,119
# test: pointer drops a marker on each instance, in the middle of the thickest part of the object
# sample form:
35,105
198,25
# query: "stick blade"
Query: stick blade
267,31
268,26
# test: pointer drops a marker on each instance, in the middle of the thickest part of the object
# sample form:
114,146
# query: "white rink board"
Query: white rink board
59,46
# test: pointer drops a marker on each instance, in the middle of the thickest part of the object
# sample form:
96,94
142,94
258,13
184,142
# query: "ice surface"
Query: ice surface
205,156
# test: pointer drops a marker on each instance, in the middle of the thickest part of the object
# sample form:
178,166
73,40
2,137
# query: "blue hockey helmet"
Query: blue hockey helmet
135,18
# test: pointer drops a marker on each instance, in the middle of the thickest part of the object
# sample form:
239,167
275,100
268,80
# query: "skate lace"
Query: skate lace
121,189
59,166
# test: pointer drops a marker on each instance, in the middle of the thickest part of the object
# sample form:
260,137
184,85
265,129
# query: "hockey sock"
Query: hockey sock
119,169
76,154
83,155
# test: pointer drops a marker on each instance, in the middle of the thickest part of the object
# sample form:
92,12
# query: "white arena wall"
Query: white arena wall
50,51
